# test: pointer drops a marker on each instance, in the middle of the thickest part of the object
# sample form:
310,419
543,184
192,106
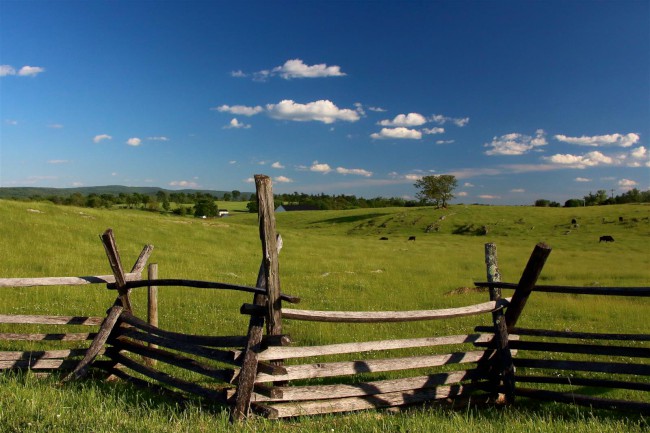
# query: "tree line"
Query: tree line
600,198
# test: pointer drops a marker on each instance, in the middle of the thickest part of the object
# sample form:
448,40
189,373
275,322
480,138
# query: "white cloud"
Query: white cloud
159,138
445,141
377,109
582,179
515,143
462,194
134,141
238,74
618,140
282,179
320,168
639,153
232,162
458,121
400,133
411,119
249,180
355,171
101,137
323,111
433,130
184,184
240,110
55,126
489,197
468,185
25,71
639,157
277,164
518,190
295,68
590,159
236,124
413,177
7,70
627,184
30,71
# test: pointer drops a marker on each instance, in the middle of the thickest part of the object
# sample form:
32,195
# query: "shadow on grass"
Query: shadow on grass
350,219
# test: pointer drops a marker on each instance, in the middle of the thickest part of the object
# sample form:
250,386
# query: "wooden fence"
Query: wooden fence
268,374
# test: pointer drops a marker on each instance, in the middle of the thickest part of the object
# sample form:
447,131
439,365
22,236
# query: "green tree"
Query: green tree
236,194
253,204
436,189
206,207
573,202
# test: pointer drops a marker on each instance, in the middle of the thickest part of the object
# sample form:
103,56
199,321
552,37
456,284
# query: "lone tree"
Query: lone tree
436,189
206,207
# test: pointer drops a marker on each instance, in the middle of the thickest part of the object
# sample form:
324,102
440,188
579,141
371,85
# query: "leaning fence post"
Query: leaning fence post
506,367
116,266
152,304
527,283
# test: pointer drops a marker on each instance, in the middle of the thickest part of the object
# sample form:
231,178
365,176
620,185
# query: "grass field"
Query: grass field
333,260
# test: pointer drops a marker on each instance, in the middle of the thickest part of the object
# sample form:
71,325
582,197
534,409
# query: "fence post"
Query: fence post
152,304
506,368
267,278
266,215
527,283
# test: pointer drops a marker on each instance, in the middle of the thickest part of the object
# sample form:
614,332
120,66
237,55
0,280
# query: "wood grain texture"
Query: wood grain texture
391,316
310,371
289,352
50,320
400,398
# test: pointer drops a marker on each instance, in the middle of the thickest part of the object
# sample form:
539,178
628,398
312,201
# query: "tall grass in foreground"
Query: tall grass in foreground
40,405
333,260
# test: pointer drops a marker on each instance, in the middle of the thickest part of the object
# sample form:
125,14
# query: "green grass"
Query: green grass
333,260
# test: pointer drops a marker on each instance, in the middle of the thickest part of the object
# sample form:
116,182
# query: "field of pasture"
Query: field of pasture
333,260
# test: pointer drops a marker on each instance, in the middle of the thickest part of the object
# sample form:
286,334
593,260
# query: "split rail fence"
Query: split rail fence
264,372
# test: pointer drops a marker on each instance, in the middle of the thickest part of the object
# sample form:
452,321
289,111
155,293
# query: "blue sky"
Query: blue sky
519,100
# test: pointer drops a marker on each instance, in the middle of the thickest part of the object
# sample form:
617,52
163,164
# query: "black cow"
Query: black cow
383,239
411,238
606,238
574,222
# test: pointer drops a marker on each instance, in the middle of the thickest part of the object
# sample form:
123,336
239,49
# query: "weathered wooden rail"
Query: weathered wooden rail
262,371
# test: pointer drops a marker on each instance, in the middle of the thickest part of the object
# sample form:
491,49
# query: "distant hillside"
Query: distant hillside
26,192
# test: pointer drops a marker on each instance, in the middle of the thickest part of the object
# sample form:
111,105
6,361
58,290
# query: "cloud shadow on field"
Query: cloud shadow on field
351,218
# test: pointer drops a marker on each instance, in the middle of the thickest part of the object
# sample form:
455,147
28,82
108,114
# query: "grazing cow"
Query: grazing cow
411,238
620,219
574,222
606,238
383,239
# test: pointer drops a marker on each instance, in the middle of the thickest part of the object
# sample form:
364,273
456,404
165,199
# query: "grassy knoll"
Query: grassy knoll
333,260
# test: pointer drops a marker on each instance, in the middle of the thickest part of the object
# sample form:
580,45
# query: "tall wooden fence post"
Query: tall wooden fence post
266,215
506,371
267,278
152,304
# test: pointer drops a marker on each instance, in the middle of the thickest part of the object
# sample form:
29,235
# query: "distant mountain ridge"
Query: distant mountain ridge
26,192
